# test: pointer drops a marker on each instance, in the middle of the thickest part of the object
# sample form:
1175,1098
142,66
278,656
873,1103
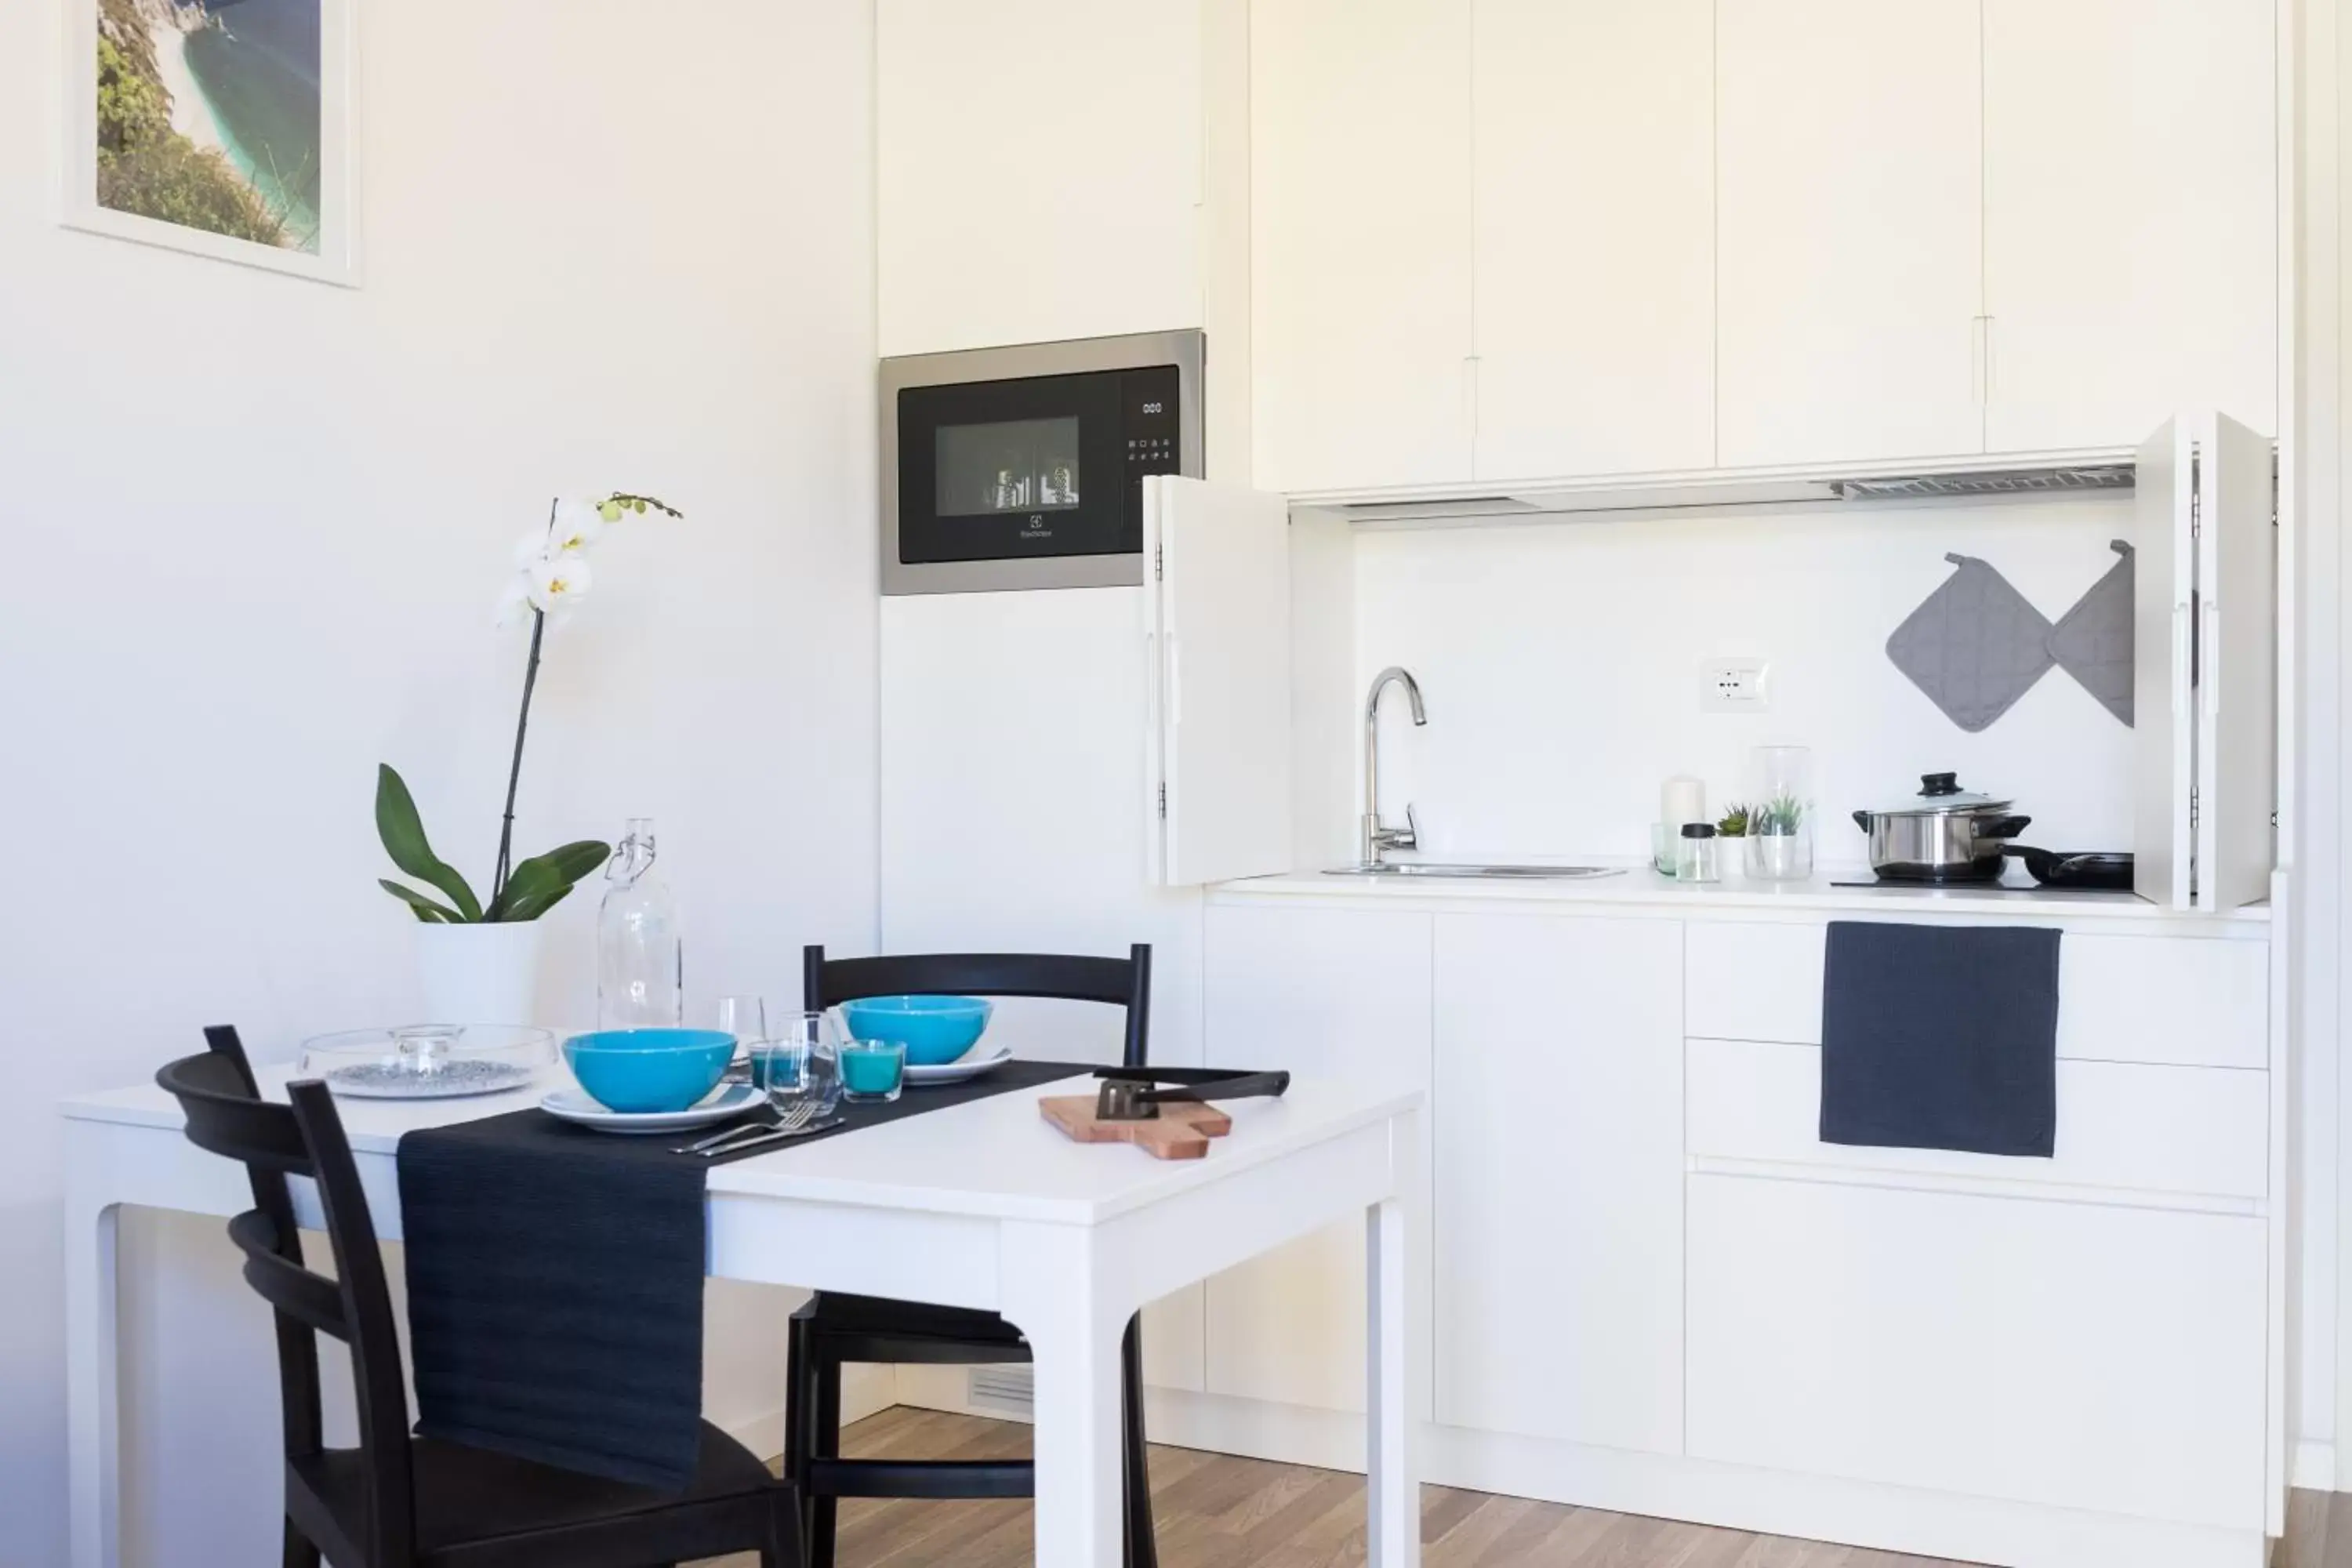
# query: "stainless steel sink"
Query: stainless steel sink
1474,873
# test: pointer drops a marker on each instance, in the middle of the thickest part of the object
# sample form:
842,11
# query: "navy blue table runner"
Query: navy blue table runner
555,1280
1940,1037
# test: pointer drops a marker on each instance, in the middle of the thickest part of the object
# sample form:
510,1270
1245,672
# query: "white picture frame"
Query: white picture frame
336,259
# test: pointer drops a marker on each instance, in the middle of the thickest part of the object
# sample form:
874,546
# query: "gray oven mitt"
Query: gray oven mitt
1974,646
2092,641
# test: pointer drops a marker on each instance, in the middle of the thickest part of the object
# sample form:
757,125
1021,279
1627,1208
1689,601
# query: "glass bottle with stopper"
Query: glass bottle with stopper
640,964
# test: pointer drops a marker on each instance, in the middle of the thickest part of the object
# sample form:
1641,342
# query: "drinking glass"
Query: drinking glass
873,1071
745,1018
780,1070
810,1037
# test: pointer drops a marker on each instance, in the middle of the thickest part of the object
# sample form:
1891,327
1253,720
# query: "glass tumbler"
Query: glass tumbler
809,1038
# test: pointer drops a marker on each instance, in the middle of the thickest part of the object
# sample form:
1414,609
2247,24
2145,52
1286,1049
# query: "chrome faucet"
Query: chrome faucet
1378,841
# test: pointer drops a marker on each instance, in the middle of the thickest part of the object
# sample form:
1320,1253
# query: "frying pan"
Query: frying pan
2086,868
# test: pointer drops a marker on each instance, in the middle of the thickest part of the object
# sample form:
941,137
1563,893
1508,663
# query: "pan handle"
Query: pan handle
1862,820
2003,826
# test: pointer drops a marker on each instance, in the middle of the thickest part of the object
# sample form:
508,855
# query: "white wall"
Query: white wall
253,530
1561,667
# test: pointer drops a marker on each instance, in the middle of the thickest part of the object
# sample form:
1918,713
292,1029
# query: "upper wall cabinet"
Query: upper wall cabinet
2130,217
1359,242
1847,154
1039,170
1594,176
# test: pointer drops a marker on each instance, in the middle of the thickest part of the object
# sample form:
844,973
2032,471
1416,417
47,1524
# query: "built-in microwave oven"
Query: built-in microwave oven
1024,467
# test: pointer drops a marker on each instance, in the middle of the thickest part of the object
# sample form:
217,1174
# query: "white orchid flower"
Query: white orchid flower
514,600
558,580
577,524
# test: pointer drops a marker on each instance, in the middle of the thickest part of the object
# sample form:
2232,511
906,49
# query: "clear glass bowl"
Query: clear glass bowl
429,1061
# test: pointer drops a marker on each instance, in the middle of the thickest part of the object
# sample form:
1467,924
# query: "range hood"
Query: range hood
1957,479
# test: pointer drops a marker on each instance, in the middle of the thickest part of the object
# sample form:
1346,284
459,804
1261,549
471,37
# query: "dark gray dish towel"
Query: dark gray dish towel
555,1282
1940,1037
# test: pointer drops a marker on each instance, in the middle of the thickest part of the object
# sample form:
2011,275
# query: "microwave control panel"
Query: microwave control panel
1148,399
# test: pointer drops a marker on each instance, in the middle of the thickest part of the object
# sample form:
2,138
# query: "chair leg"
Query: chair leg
785,1526
297,1553
825,1443
1140,1545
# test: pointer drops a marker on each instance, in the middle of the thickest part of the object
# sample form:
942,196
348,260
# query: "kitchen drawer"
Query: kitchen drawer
2082,1355
2194,1001
2127,1125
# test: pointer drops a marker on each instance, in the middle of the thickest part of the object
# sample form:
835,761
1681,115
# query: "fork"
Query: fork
791,1120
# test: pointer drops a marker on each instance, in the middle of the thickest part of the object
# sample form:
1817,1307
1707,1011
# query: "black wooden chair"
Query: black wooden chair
834,1330
399,1501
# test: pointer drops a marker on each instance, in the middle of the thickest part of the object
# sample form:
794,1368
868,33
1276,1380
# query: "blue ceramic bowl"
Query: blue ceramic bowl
936,1029
649,1069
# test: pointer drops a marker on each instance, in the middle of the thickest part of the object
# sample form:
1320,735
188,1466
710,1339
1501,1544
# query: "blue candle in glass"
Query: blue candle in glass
870,1069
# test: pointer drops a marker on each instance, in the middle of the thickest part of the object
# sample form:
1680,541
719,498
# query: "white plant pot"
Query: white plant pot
479,973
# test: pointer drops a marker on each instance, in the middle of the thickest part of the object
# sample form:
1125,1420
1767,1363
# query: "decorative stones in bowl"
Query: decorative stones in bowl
427,1061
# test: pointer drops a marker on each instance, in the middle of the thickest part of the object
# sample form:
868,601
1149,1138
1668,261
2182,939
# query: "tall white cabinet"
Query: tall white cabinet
1038,170
2130,217
1359,242
1848,265
1592,170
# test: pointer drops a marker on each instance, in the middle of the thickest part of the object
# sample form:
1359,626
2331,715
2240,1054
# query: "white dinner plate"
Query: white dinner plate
728,1100
963,1067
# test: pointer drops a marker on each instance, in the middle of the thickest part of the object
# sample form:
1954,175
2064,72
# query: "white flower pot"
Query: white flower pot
479,973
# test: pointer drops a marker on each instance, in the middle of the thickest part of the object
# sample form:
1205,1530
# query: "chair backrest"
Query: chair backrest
226,1116
1119,982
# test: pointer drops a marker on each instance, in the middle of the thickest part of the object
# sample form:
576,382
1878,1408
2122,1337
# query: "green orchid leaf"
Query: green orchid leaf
426,909
397,824
553,872
531,907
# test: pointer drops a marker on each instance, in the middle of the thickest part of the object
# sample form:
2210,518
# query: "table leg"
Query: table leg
93,1411
1074,1333
1393,1481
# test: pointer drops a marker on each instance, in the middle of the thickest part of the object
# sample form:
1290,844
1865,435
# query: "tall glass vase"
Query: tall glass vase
1780,814
640,964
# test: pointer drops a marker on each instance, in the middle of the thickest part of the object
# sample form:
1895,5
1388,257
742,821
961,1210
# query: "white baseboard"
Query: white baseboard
865,1390
2313,1467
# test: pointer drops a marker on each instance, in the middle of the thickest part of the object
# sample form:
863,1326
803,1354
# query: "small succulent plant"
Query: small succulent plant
1734,823
1779,817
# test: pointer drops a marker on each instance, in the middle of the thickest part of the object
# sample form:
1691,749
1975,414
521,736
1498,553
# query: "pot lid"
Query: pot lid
1941,794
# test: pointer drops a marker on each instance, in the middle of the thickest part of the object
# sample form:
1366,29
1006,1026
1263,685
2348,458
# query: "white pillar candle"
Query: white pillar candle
1682,799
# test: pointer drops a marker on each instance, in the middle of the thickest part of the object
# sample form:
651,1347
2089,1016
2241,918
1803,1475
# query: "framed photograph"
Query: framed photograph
219,127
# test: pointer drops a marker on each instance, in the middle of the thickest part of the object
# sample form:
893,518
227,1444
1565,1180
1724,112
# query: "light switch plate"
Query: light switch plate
1735,686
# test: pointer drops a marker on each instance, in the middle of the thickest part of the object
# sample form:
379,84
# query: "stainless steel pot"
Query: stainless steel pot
1945,834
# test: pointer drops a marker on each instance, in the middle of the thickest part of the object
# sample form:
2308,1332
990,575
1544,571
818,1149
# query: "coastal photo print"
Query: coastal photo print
221,127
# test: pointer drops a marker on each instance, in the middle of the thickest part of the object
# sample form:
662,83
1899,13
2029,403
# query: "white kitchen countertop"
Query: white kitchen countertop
1640,886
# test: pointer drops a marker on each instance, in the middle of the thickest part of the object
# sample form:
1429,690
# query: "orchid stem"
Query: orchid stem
522,724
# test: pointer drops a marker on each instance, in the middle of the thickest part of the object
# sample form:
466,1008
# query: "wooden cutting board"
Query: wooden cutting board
1180,1132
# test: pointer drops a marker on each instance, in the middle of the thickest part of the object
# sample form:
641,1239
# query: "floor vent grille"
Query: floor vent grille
1011,1389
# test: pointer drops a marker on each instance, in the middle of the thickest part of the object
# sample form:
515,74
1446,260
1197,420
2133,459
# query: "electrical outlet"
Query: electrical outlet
1733,686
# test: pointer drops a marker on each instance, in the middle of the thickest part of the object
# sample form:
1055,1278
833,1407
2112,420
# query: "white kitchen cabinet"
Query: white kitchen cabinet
1337,991
2130,213
1038,170
1360,242
1848,205
1594,178
2089,1356
1558,1179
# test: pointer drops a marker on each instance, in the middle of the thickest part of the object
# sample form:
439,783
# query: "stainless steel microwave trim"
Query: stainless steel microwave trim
1078,356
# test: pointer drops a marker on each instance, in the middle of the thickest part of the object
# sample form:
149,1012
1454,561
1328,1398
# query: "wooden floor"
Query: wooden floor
1217,1512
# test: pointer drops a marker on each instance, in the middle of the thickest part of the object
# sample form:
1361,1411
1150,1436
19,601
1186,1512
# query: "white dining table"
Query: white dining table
981,1204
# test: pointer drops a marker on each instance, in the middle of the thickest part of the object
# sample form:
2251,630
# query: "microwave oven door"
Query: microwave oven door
1014,471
